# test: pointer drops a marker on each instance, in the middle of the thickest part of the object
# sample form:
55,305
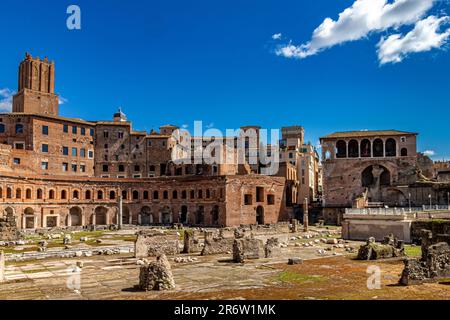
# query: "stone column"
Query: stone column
305,215
120,218
2,266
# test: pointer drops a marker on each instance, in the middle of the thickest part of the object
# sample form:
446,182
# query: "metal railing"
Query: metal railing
396,211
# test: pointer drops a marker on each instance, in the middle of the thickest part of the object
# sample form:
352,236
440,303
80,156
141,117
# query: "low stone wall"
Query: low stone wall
244,249
155,242
362,227
214,244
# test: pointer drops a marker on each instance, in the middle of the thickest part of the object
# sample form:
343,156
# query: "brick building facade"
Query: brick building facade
57,172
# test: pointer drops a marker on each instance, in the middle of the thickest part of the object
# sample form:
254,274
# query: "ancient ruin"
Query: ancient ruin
434,264
391,247
156,275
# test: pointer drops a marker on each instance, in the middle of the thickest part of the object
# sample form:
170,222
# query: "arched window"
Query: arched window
404,152
365,149
135,195
1,192
51,194
112,195
124,194
155,195
200,194
88,195
39,193
183,194
18,193
75,195
100,195
19,128
391,148
174,194
378,148
353,149
2,128
341,149
165,195
63,194
145,195
9,193
28,194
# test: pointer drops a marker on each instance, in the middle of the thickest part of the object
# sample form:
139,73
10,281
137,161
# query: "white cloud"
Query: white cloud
429,153
6,96
276,36
424,37
62,100
362,18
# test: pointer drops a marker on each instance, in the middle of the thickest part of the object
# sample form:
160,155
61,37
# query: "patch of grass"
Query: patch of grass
88,234
292,277
413,251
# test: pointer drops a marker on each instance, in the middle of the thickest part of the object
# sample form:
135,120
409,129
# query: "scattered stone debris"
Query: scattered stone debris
434,263
247,248
156,275
389,248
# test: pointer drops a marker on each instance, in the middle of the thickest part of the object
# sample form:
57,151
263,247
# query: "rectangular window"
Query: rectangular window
74,168
90,154
83,131
82,153
45,130
120,135
82,168
44,165
74,152
19,145
247,199
259,194
74,129
65,128
44,148
270,199
105,134
16,160
91,132
65,167
105,168
65,151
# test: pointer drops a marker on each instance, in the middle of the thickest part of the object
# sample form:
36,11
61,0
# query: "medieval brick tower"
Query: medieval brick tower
36,92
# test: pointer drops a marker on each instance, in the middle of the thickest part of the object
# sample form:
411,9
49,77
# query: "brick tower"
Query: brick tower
36,92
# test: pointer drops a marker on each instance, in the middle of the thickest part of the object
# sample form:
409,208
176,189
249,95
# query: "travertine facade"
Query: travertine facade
64,172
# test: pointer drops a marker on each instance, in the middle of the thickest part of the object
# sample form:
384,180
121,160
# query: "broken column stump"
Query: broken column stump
191,242
272,248
374,251
156,275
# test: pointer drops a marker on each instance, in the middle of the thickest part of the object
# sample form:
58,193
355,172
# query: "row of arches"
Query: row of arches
145,216
39,194
367,149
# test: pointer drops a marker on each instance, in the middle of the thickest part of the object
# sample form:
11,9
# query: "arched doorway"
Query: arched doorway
200,215
215,215
75,216
353,149
184,214
29,218
391,148
378,148
341,149
166,215
146,216
404,152
125,215
100,216
365,148
260,215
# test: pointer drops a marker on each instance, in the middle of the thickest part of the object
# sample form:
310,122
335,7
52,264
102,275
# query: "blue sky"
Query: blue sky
216,61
